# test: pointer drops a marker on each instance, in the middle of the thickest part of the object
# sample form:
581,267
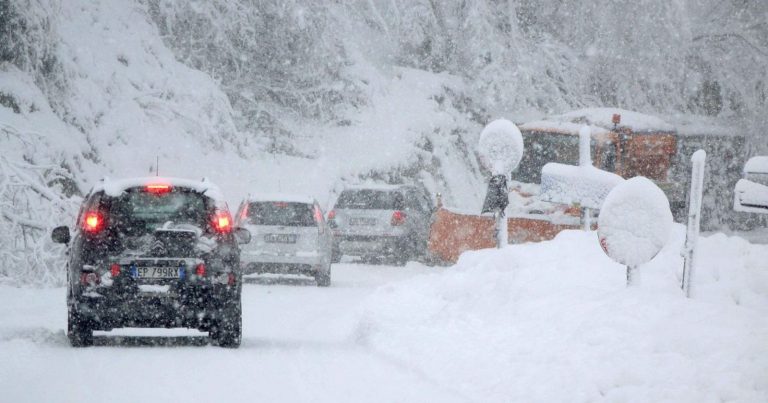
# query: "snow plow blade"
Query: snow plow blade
453,232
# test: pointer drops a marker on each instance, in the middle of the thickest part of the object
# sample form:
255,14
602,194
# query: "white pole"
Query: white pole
633,276
694,218
585,137
587,219
502,238
585,160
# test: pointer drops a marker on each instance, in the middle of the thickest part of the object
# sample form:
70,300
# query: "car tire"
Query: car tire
79,330
335,255
227,331
323,278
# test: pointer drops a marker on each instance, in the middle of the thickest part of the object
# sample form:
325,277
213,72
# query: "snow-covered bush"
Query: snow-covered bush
278,61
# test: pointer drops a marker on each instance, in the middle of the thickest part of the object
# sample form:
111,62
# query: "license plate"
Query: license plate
280,238
157,272
362,221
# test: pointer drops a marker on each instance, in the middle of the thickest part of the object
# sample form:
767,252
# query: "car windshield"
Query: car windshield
370,199
281,213
140,210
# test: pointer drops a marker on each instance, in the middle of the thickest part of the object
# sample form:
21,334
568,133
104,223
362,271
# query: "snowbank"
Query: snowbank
552,322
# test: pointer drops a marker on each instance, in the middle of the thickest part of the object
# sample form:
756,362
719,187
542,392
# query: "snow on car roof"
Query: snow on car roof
280,197
758,164
115,188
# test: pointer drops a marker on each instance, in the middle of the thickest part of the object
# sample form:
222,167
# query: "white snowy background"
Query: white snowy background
293,96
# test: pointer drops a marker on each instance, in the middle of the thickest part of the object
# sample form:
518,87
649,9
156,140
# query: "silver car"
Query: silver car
383,221
289,236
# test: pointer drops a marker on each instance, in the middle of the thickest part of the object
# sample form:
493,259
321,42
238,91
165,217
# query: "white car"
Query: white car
751,193
289,236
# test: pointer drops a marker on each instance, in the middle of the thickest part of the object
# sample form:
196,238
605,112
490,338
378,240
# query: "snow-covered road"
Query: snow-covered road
299,344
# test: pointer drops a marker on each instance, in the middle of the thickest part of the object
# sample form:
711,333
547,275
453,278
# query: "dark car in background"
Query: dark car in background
154,252
378,222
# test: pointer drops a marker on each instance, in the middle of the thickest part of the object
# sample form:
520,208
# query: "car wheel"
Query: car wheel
227,331
79,330
335,255
323,278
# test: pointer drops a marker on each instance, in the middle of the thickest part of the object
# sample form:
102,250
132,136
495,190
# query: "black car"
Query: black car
154,252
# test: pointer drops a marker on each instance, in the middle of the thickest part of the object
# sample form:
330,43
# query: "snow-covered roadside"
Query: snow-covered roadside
553,322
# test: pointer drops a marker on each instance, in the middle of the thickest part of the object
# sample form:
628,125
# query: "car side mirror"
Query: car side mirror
60,234
242,235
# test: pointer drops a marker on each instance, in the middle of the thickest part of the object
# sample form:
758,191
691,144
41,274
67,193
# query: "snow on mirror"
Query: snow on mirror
634,223
500,147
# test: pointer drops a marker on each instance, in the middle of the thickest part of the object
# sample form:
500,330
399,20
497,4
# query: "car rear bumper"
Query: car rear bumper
271,263
358,245
192,307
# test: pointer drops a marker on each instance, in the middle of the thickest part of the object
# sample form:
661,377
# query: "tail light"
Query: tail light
158,188
231,278
244,213
222,222
89,278
93,221
114,269
398,218
331,214
200,270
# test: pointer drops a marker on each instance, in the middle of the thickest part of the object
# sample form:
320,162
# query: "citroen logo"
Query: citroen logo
158,248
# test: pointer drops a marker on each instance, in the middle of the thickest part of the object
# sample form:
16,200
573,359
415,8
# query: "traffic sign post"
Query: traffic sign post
500,149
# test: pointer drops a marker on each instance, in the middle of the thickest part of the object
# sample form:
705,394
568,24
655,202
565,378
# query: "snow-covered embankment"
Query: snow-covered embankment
553,321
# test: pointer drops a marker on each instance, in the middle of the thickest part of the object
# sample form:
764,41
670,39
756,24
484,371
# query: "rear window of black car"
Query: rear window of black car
140,210
289,214
370,199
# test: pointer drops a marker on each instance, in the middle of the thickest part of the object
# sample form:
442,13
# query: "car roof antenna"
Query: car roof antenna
157,165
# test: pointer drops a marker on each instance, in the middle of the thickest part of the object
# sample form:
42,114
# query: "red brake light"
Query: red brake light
231,278
114,269
158,188
222,222
332,214
318,215
244,213
200,270
89,278
93,221
398,218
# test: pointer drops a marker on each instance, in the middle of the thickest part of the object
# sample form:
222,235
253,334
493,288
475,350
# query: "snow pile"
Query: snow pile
634,221
553,322
500,147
